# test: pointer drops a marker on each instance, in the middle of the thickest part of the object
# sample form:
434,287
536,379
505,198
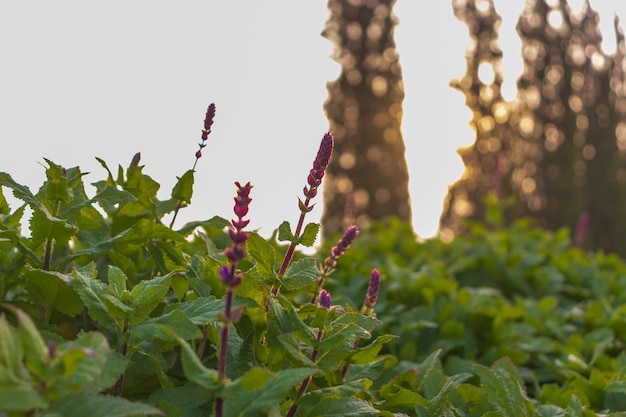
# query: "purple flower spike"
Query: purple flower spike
237,251
208,121
372,293
319,165
325,299
344,243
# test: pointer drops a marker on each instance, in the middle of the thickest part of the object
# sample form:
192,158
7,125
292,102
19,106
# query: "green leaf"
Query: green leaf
52,289
502,391
56,186
183,190
19,191
4,205
21,398
91,291
117,280
615,396
188,399
193,368
300,274
342,407
310,234
264,255
45,226
146,295
84,404
258,390
146,229
152,329
285,233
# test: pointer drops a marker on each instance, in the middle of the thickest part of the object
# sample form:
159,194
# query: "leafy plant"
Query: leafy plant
108,311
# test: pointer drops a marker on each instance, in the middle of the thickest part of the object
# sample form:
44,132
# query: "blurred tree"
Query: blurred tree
368,173
564,150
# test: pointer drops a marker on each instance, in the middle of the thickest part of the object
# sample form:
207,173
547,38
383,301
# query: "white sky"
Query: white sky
84,79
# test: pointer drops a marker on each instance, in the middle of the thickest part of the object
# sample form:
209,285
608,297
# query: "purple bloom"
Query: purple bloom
342,245
325,299
319,166
208,121
372,293
237,251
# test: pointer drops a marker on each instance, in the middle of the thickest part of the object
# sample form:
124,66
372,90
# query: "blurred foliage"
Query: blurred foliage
546,317
557,152
367,178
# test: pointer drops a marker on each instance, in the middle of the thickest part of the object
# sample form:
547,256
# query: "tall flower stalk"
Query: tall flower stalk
208,122
325,302
232,278
314,180
335,253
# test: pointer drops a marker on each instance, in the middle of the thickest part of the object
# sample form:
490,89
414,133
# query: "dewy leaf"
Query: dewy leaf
83,404
52,290
241,402
285,233
310,234
183,189
300,274
263,253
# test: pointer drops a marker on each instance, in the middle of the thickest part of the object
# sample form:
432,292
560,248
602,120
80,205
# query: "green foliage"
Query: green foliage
106,311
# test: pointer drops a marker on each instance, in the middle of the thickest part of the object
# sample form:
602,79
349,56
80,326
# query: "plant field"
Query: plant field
110,310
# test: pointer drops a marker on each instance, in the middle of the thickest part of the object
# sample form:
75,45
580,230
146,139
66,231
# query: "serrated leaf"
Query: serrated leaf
19,191
264,255
342,407
146,229
91,291
151,329
146,295
300,274
272,388
4,205
205,310
193,368
502,391
45,226
117,280
183,190
309,235
188,399
56,185
84,404
285,233
52,289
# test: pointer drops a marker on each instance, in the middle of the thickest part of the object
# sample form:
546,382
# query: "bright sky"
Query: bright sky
81,80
